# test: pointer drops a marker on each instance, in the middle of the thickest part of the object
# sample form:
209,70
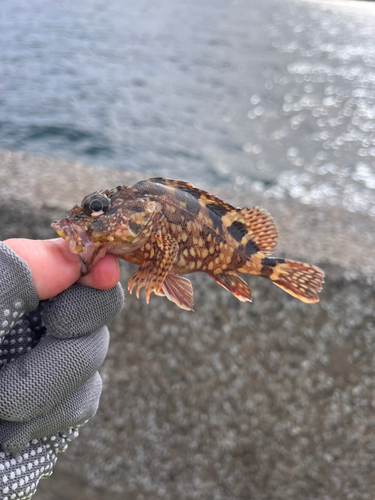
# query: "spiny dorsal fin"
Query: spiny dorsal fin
253,229
212,202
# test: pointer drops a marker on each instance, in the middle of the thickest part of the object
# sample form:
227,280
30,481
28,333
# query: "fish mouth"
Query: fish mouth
80,244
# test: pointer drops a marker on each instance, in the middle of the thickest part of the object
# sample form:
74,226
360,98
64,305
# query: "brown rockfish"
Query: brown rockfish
169,227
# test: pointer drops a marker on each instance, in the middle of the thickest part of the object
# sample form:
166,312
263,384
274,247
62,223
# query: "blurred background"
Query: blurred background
262,102
265,96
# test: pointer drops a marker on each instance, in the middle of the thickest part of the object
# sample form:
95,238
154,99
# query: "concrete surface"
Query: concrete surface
269,400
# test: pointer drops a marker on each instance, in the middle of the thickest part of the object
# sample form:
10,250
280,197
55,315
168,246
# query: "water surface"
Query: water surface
269,96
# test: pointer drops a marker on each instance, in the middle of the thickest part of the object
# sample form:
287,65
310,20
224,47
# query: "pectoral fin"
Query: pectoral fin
160,257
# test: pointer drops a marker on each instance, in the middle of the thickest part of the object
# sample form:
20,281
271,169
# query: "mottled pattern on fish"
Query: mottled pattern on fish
169,227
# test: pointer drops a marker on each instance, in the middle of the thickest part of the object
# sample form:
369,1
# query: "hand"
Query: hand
54,268
49,384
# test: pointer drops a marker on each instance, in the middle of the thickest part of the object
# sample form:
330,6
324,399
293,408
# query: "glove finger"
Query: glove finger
32,385
17,294
73,411
20,473
23,337
80,310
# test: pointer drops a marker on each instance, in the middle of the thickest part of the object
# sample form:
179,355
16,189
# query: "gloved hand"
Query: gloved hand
49,381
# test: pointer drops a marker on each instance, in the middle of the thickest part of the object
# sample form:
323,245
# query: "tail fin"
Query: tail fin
300,280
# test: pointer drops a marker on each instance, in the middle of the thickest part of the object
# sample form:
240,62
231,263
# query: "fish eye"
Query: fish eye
95,204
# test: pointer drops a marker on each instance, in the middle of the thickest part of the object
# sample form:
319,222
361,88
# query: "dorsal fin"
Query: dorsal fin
213,203
253,229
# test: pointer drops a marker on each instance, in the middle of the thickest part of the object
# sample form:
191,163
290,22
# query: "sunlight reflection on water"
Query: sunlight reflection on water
270,97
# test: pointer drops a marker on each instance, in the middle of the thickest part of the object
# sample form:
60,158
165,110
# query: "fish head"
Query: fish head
106,222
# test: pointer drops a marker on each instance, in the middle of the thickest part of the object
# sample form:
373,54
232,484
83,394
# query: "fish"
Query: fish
169,227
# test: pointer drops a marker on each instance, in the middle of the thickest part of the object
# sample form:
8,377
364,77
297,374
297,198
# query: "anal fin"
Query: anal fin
178,290
234,284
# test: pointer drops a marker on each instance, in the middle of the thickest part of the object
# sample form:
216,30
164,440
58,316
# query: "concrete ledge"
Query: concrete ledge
269,400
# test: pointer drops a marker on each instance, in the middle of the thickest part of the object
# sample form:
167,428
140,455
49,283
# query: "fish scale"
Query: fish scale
169,227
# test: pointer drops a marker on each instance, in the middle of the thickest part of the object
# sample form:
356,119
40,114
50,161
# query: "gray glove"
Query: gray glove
50,354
